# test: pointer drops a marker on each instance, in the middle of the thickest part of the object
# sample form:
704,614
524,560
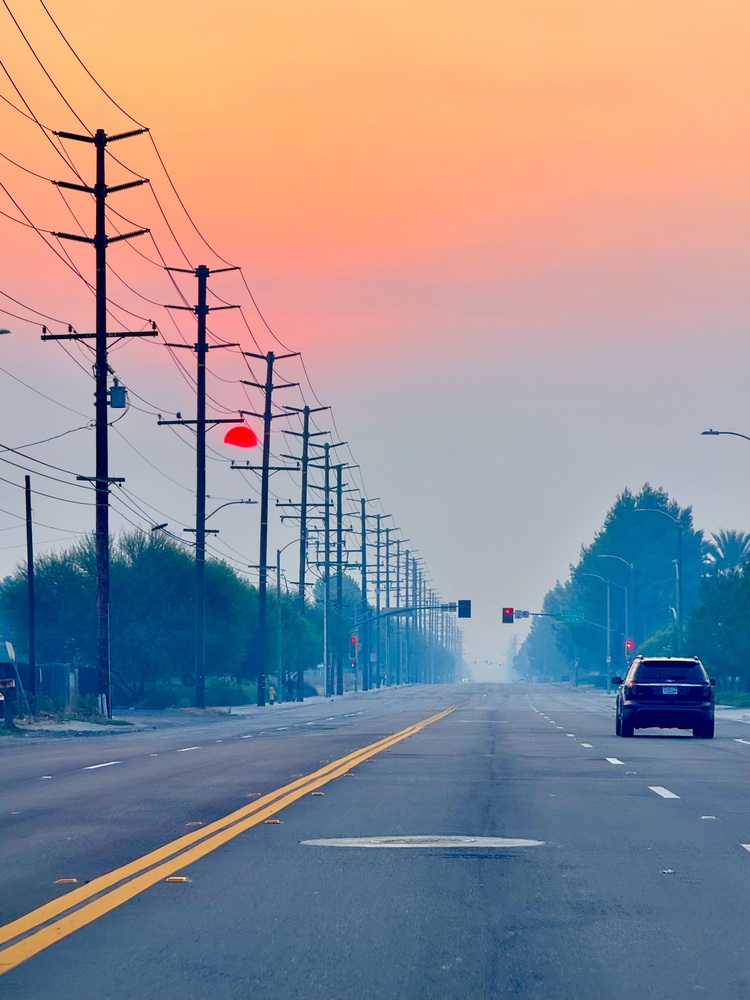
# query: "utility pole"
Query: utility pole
416,596
407,624
265,469
399,631
32,602
364,644
328,661
388,676
101,479
304,460
341,654
201,349
378,598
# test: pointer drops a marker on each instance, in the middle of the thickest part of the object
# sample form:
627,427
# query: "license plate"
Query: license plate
670,690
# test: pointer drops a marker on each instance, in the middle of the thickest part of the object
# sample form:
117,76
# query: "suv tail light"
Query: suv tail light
631,691
706,692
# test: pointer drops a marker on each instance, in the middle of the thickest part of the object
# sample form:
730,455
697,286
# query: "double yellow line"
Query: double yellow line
39,929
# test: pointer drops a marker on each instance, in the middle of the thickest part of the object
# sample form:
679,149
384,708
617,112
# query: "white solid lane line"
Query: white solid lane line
589,746
185,749
93,767
746,846
664,792
614,760
746,742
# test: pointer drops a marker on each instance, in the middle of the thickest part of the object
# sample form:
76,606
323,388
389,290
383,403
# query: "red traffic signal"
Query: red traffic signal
353,643
629,644
508,616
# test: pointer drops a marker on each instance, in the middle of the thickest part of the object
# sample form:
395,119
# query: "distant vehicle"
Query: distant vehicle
666,692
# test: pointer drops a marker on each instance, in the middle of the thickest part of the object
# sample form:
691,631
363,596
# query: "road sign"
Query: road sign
569,616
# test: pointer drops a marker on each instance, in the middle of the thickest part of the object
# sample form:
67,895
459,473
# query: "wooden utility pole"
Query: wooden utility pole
265,469
201,349
101,479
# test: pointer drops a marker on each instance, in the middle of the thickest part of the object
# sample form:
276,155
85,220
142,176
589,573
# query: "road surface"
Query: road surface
617,868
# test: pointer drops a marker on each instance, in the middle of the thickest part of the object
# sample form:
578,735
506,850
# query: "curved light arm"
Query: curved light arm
229,503
607,556
596,577
656,510
713,433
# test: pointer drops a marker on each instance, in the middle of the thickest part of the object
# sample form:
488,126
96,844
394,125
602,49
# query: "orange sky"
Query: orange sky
521,180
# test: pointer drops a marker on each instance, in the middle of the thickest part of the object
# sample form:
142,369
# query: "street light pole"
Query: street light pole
627,590
279,659
678,564
609,622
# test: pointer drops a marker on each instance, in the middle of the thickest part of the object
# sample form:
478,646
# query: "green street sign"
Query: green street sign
569,616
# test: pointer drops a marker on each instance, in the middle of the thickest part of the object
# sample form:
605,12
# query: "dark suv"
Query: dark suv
668,692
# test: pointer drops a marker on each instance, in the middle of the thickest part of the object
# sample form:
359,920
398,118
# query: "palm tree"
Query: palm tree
726,552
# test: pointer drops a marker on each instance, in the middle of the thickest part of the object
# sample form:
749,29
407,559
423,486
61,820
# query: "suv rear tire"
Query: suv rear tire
705,731
626,727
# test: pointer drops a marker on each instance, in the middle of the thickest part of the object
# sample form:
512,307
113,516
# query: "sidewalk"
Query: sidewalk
123,721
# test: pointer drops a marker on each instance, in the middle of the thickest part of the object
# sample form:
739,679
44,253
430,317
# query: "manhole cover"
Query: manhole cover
424,841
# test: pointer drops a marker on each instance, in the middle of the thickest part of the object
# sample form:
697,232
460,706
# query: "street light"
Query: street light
713,433
279,668
627,590
609,622
200,531
677,562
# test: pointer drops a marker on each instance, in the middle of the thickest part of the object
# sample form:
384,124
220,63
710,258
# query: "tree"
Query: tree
726,552
649,542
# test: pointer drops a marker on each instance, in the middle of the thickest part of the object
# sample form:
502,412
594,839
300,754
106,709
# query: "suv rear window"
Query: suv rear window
658,671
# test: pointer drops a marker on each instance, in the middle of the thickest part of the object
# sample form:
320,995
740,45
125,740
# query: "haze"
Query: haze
510,240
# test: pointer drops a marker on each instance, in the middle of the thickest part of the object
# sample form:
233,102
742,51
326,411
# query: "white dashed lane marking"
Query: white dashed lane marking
110,763
746,846
616,760
746,742
664,792
589,746
185,749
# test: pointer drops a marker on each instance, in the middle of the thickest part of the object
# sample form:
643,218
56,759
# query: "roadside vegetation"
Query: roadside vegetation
637,551
152,624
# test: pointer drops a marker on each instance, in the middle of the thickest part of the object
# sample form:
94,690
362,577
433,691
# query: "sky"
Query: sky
510,239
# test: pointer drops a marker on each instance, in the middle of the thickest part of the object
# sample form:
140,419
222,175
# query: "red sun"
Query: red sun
241,437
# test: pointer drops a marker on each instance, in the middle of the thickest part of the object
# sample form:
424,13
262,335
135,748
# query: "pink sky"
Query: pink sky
486,225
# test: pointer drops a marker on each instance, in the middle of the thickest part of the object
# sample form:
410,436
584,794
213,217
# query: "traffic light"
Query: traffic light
353,646
507,616
629,646
464,609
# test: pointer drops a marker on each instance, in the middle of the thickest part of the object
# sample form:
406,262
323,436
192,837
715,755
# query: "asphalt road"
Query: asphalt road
636,883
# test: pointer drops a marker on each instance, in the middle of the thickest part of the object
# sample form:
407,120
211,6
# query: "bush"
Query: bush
167,695
226,691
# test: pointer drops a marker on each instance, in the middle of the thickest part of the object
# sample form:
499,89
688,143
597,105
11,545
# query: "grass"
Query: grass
735,699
